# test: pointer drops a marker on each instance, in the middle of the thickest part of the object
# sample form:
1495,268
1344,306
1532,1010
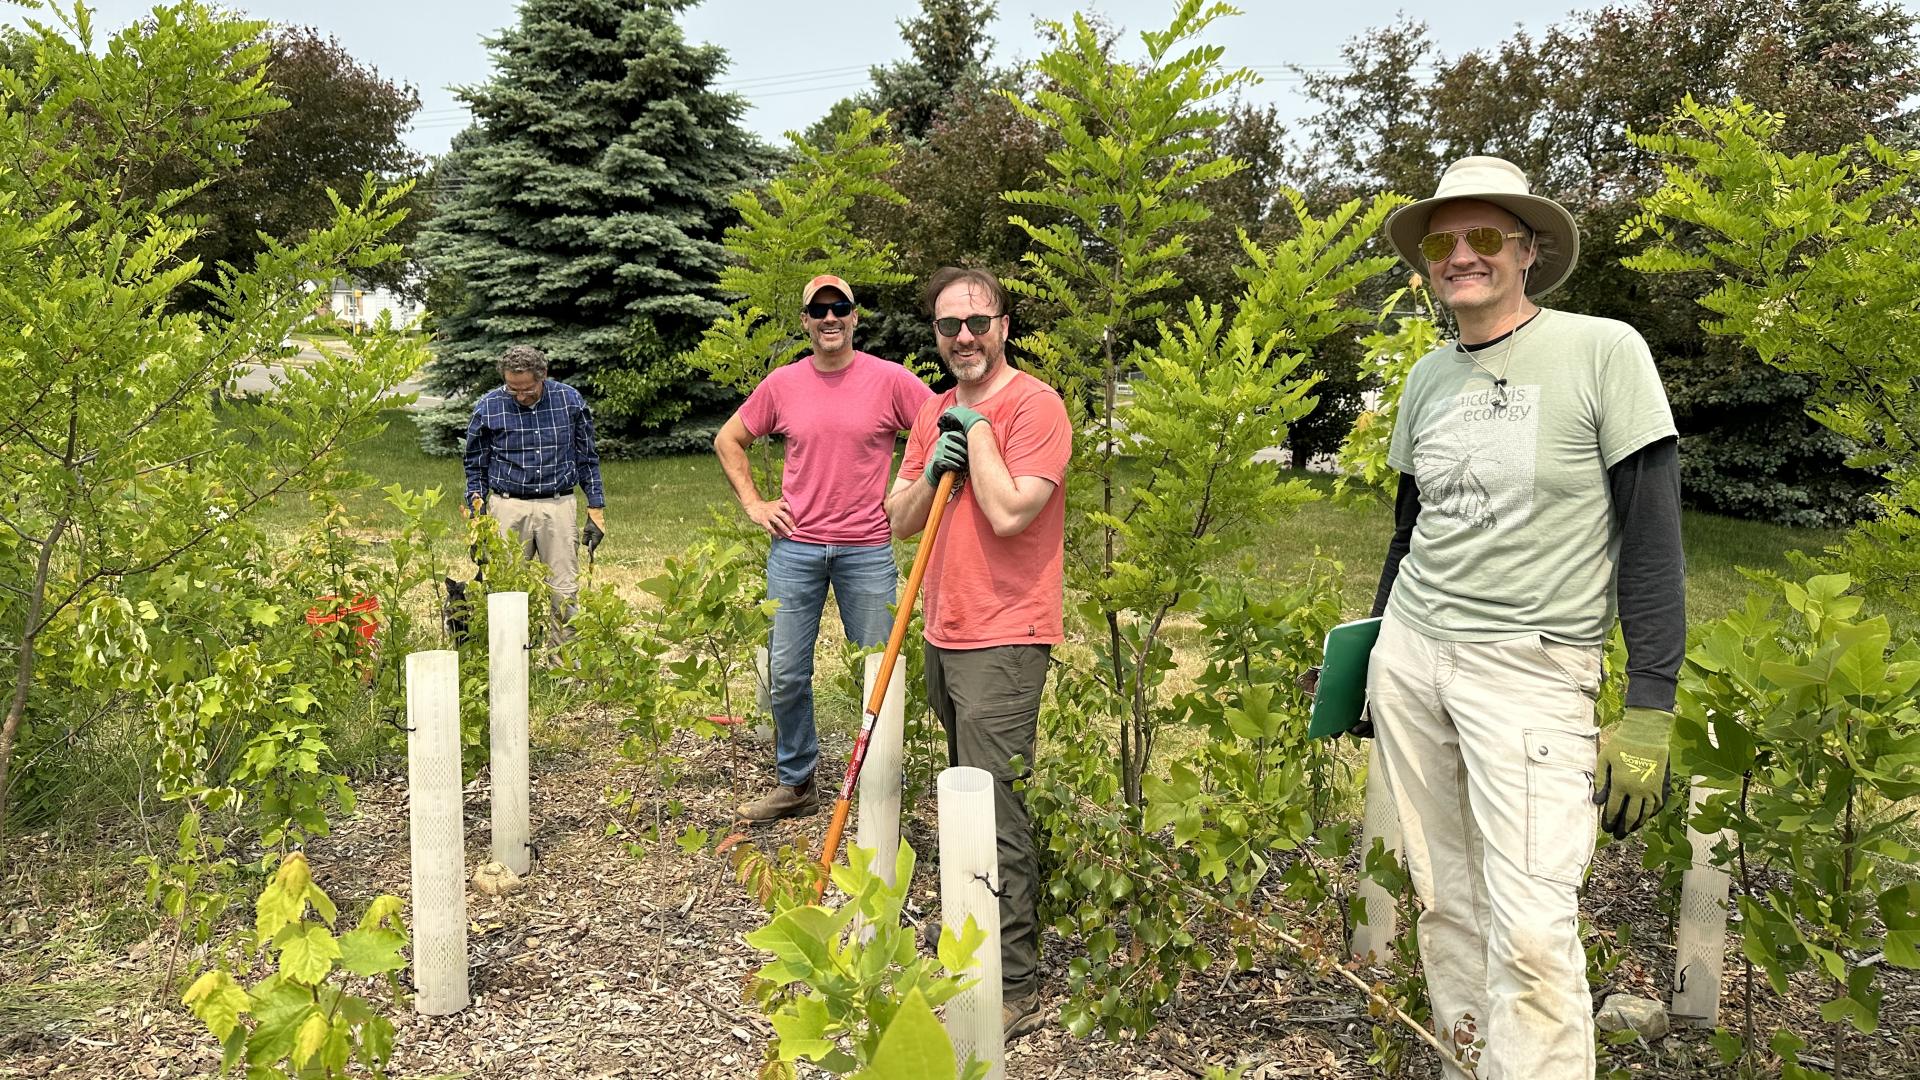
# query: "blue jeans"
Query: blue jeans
864,581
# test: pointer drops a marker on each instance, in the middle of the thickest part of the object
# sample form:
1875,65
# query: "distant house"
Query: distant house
355,306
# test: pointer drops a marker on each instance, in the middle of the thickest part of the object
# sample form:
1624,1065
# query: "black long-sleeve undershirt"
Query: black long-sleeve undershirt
1650,577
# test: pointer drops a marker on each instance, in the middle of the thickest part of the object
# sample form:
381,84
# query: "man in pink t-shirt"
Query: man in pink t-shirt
993,603
840,411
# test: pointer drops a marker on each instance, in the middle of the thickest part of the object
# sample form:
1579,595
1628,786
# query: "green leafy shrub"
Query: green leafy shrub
1250,788
1816,260
1389,358
1167,489
673,665
836,991
1807,730
193,889
123,467
297,1021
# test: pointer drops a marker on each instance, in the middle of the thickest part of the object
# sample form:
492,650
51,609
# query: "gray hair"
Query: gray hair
523,359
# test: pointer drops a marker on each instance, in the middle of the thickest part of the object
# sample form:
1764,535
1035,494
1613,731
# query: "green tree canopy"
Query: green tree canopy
117,462
343,121
583,211
949,47
1561,105
1813,262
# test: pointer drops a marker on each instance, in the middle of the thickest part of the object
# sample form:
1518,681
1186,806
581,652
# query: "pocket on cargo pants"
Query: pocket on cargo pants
1560,811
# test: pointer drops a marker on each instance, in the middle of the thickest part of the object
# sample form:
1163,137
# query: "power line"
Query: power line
808,90
793,75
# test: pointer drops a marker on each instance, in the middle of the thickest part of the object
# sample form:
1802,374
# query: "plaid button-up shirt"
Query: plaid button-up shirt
533,453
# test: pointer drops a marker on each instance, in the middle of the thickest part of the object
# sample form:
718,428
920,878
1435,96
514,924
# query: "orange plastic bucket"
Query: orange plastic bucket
329,609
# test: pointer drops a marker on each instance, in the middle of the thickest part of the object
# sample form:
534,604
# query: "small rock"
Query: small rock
1623,1011
493,879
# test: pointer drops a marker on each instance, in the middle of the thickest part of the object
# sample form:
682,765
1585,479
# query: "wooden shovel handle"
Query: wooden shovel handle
830,848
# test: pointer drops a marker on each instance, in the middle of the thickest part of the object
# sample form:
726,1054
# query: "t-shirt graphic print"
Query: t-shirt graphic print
1515,534
1476,463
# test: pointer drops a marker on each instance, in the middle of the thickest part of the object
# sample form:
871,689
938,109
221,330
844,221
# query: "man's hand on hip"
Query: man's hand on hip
1635,765
949,455
772,515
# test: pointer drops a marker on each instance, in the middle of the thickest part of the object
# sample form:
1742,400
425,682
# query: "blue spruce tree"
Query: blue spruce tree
583,210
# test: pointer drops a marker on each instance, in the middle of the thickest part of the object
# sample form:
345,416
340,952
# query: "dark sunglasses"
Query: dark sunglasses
976,325
1487,240
819,309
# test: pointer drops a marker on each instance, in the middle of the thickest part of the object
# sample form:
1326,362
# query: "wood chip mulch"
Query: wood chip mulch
610,966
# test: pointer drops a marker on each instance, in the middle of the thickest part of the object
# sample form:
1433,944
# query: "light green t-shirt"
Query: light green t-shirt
1516,532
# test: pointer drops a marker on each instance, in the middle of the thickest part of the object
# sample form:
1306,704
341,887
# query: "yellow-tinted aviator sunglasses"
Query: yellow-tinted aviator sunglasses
1485,239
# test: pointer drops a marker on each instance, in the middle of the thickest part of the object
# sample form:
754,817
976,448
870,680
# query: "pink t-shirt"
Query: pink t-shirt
840,429
984,590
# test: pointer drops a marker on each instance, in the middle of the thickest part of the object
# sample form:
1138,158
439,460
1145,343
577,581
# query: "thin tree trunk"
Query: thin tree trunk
1846,892
1130,734
1746,890
23,668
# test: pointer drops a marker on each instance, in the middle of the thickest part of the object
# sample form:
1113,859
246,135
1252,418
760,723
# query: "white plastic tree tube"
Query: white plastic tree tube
969,876
1382,820
879,829
763,695
437,832
507,712
1701,941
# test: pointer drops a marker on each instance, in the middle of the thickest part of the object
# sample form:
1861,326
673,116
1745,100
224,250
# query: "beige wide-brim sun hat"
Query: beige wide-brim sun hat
1500,182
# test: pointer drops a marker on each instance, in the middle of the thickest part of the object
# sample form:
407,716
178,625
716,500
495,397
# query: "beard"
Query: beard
973,367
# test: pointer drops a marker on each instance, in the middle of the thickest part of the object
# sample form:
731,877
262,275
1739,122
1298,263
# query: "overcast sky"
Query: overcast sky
793,61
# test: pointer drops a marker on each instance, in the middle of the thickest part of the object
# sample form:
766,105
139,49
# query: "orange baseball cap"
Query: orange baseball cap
822,282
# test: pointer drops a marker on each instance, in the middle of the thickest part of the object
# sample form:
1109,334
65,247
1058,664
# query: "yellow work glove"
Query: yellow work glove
1635,764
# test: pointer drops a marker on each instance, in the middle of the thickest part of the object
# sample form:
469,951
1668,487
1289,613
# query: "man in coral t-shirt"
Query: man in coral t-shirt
993,603
840,411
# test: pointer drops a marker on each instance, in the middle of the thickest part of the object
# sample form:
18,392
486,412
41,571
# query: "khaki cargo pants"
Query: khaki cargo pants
546,531
988,700
1490,749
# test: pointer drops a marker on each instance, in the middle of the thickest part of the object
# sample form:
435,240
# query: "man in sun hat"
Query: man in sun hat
1539,476
841,411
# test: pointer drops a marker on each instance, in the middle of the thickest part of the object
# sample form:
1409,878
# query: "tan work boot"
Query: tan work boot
782,802
1021,1016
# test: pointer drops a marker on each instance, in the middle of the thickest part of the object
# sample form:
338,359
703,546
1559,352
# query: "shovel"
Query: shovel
901,618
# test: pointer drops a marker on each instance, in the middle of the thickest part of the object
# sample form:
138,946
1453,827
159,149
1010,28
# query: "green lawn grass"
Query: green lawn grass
1716,547
655,505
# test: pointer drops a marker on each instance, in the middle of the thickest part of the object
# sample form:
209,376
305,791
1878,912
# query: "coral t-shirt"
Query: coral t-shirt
840,428
984,590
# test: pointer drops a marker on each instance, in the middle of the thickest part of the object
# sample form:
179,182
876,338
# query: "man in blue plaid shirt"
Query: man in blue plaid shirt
530,443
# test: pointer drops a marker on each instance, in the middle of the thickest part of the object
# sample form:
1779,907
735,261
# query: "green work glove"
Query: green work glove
949,456
960,419
1631,783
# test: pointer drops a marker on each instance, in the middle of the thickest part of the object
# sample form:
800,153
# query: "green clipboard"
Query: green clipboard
1342,691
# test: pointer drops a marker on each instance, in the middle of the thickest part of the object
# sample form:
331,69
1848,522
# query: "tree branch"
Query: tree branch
198,535
1176,879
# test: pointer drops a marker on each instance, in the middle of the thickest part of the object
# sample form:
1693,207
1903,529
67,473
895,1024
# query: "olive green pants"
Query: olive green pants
988,700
